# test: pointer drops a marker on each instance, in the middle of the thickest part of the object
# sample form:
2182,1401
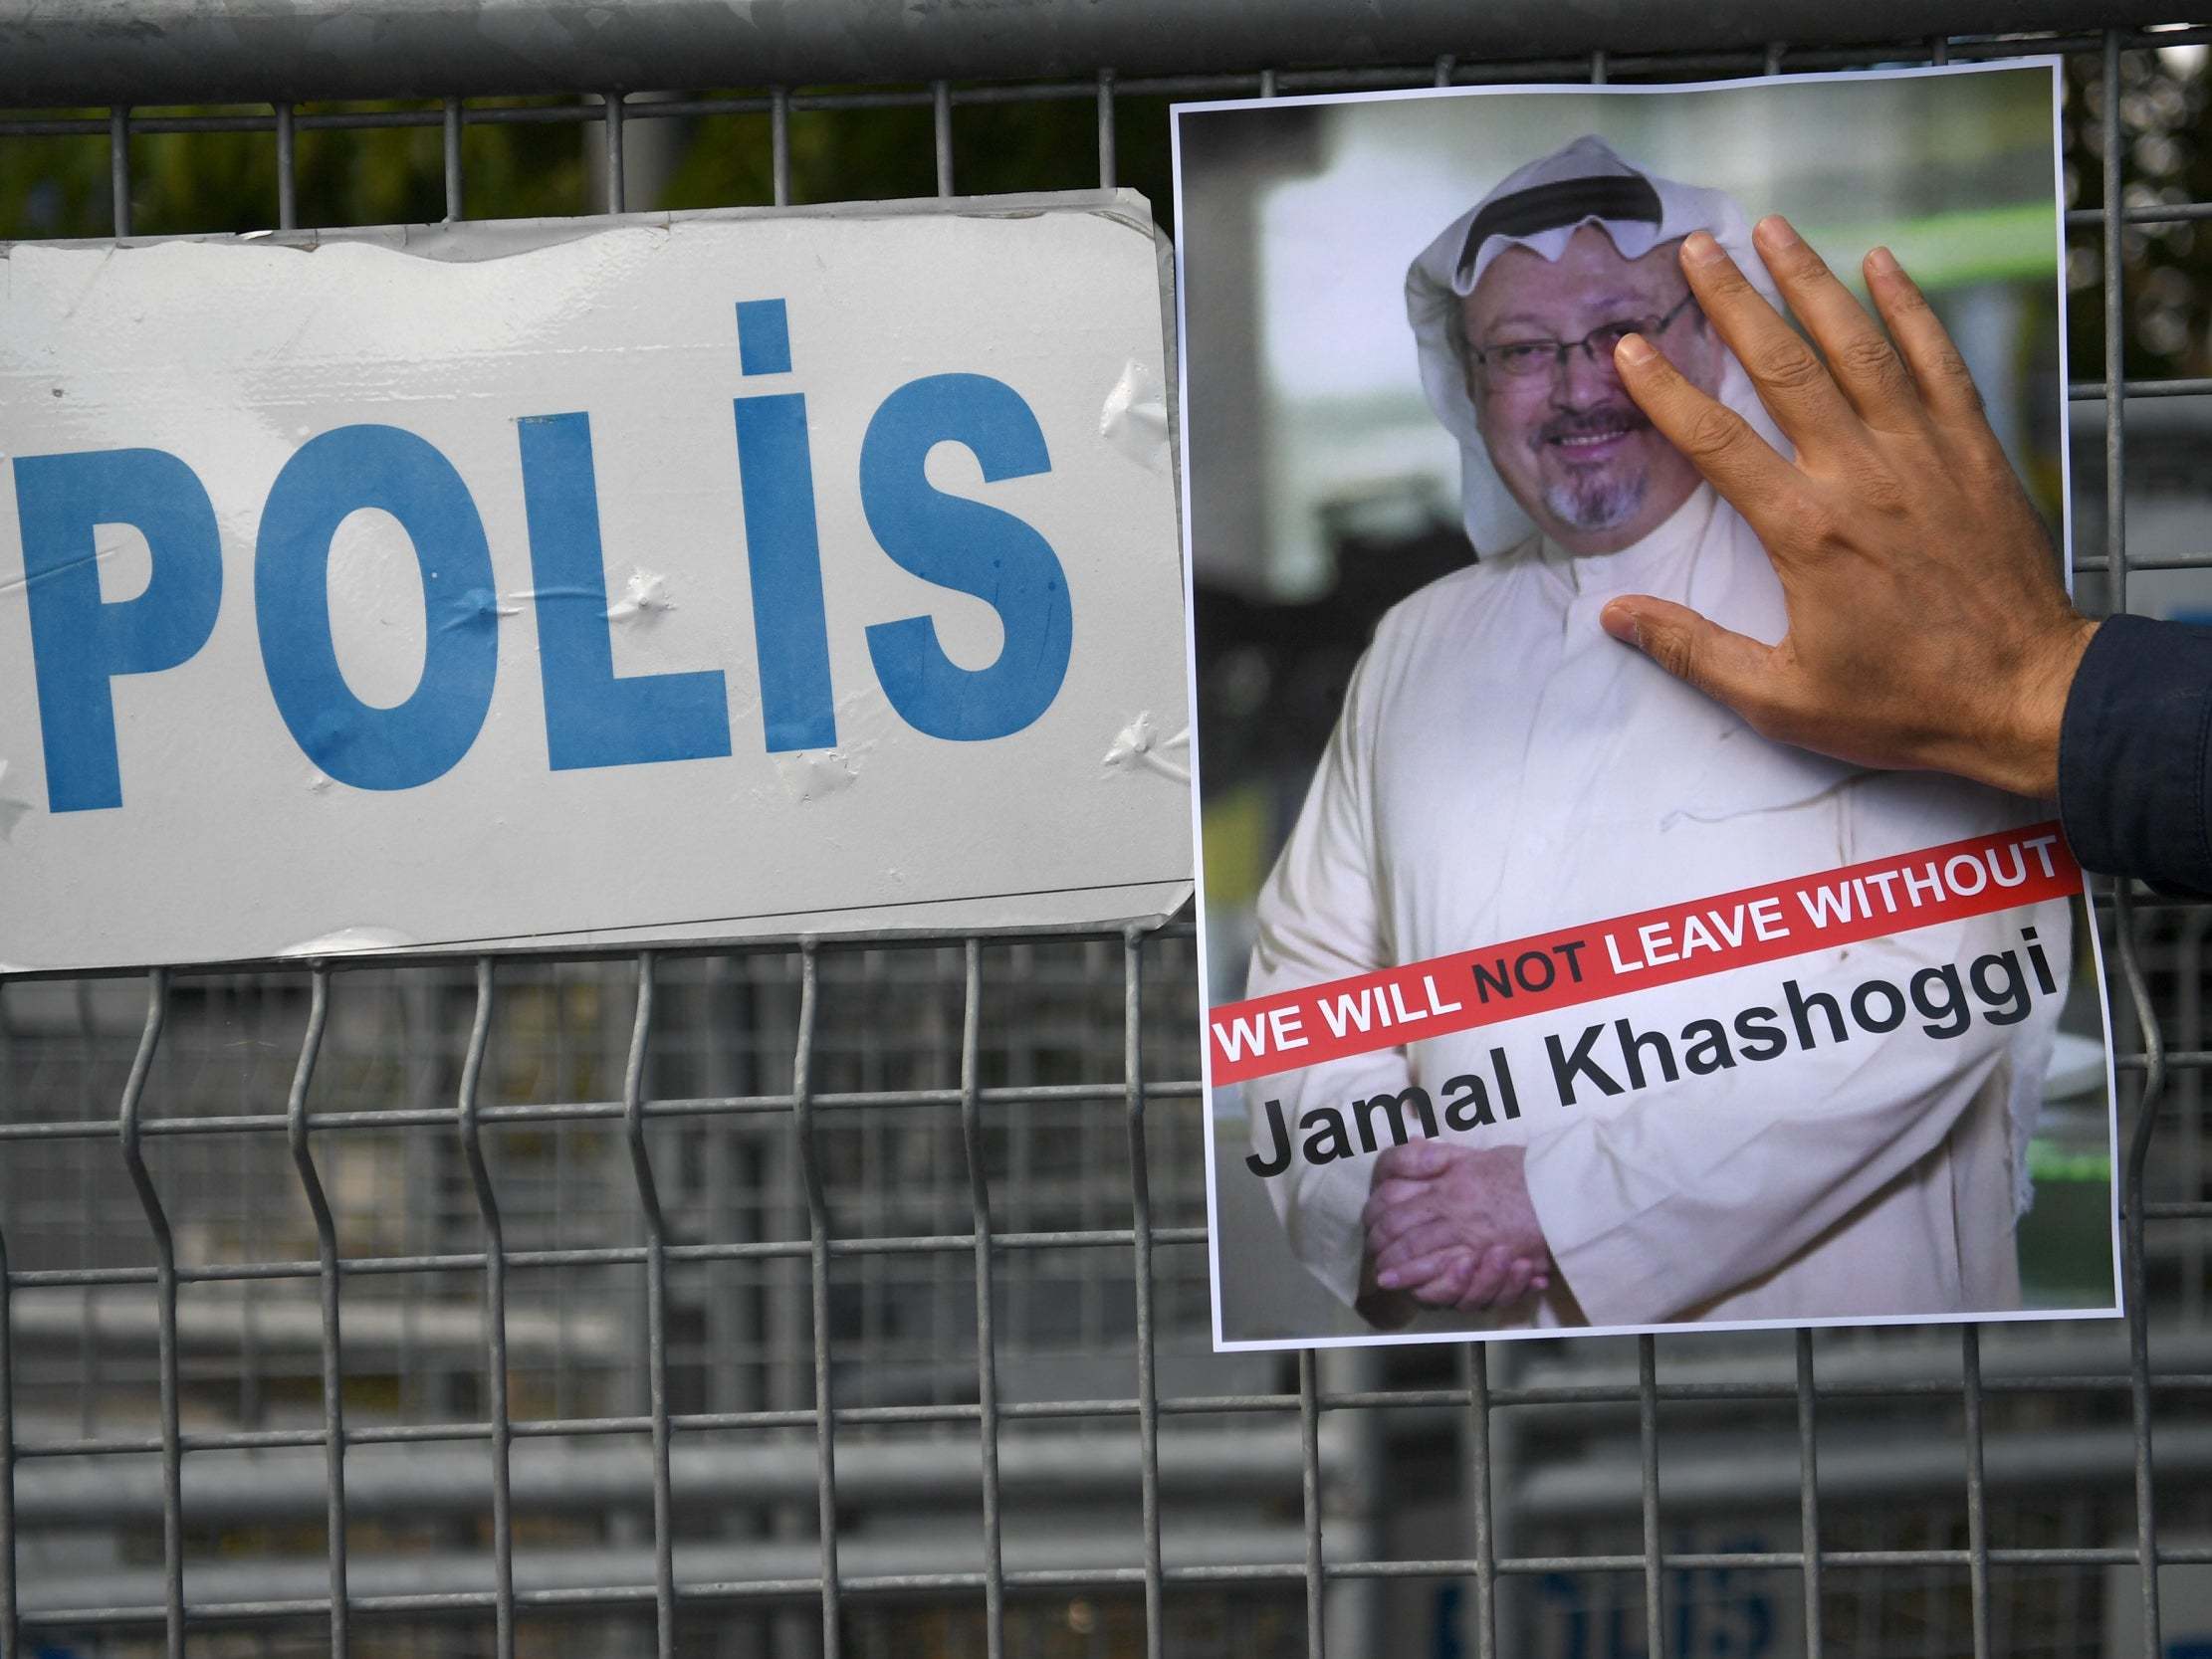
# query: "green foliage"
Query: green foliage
53,187
217,181
197,182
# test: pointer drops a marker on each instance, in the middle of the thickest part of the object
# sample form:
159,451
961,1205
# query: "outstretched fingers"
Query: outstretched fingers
1860,355
1793,383
1728,667
1946,386
1718,441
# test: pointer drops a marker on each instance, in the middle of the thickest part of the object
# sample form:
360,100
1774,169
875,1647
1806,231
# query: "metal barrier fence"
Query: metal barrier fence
852,1297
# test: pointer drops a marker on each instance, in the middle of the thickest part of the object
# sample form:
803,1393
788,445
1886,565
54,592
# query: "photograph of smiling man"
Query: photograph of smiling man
1544,993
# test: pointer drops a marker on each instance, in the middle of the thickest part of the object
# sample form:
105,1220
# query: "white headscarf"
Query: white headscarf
1539,208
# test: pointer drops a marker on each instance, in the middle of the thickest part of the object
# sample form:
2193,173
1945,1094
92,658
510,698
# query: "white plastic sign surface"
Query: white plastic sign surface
732,577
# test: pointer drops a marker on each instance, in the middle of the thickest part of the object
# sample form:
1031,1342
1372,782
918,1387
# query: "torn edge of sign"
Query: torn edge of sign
349,941
474,240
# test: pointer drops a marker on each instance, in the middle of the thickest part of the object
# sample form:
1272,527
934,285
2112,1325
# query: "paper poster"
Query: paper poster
1541,993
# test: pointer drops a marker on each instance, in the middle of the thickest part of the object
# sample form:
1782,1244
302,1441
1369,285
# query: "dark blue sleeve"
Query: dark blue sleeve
2135,753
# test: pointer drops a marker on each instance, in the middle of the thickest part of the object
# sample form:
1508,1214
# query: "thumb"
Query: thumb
1728,667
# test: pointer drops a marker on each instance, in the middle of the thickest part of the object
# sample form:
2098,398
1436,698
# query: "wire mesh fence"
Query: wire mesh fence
851,1299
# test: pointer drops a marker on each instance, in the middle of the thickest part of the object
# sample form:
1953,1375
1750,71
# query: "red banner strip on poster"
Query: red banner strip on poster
1661,947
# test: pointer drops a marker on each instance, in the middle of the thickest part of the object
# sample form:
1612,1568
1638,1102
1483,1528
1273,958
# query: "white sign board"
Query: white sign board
723,576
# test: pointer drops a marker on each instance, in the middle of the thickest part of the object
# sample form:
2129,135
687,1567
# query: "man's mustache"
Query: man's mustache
1590,423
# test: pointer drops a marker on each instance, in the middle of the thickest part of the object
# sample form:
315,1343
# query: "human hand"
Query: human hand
1453,1226
1927,625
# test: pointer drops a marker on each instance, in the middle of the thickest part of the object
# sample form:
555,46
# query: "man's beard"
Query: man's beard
1599,502
1599,497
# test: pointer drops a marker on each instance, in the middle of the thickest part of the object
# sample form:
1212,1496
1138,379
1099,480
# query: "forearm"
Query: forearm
2135,755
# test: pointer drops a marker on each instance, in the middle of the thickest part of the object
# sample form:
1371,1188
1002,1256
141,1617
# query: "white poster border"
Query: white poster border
2054,65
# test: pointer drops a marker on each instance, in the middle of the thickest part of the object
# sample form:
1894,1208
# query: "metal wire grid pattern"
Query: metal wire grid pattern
799,1115
1047,990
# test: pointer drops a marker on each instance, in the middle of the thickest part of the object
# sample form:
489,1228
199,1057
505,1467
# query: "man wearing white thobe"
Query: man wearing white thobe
1502,768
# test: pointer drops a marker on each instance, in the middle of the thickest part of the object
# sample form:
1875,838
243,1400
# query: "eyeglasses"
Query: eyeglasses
1524,359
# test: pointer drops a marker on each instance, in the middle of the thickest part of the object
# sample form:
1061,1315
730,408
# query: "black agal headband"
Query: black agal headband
1567,201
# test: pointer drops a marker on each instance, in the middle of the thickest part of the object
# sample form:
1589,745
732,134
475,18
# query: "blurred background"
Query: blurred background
1300,222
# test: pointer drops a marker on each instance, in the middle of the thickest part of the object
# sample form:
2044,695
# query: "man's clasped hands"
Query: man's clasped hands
1450,1226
